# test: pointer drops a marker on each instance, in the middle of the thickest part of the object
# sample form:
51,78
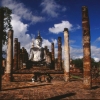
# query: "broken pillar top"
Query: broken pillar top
65,29
84,8
16,39
10,30
85,13
52,43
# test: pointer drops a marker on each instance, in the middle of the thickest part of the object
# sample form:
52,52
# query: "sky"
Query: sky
50,17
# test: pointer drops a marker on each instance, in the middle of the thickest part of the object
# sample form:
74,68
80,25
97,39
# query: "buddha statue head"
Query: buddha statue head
38,40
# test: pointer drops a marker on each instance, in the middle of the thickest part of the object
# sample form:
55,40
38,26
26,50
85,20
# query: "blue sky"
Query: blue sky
50,17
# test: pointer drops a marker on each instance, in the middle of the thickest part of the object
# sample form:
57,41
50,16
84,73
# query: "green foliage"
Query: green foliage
6,22
79,63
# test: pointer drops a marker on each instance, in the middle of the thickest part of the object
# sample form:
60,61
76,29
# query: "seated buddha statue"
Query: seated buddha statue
37,53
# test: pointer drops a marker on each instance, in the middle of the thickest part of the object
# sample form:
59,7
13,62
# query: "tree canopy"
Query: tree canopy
79,63
6,23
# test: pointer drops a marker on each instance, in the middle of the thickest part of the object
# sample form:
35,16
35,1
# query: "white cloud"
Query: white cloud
20,10
20,30
64,9
95,52
54,41
46,43
98,39
96,59
71,41
76,53
60,27
51,8
76,27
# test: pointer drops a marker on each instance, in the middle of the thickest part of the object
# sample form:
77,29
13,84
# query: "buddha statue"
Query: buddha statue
37,53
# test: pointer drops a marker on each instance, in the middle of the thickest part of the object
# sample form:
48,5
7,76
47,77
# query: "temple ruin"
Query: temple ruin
21,67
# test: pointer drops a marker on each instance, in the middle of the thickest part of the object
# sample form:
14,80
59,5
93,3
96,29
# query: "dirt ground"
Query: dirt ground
56,90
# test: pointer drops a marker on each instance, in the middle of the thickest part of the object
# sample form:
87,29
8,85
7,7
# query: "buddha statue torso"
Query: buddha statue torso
37,53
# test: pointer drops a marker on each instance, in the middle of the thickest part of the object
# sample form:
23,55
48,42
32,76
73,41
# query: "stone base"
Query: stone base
6,77
87,84
87,87
66,76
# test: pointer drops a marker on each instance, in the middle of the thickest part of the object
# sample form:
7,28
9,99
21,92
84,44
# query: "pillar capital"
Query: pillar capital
65,29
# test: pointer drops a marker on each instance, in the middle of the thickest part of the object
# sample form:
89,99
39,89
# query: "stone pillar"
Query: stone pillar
15,66
18,55
59,54
66,55
87,84
1,33
4,63
46,49
56,64
9,57
21,59
52,54
26,56
3,66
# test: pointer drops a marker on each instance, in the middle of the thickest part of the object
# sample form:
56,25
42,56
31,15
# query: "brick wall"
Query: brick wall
28,77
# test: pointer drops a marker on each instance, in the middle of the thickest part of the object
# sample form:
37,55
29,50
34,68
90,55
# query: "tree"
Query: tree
78,63
6,23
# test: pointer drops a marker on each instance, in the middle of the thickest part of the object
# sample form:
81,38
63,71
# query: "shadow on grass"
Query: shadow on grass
61,96
25,87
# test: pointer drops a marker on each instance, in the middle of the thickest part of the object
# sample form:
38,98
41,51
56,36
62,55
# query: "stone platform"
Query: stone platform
56,90
27,74
37,69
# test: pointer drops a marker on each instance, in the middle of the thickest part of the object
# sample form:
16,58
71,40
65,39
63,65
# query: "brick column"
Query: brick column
26,56
59,54
66,55
86,49
46,49
4,63
1,33
52,54
9,61
18,55
15,66
21,59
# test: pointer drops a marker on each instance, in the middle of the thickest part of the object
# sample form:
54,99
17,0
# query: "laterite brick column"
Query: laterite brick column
21,59
66,55
52,51
18,55
59,54
26,56
9,62
46,49
52,54
15,66
87,84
